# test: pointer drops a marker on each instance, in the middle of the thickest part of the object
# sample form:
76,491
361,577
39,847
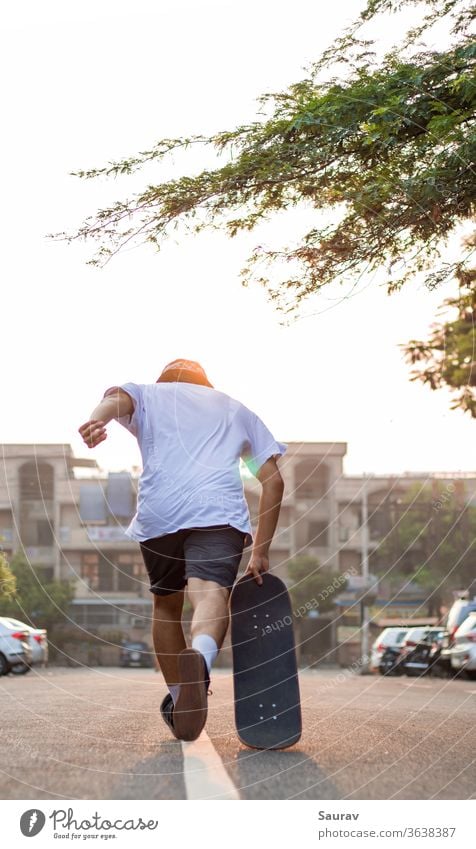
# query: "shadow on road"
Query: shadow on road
280,775
159,776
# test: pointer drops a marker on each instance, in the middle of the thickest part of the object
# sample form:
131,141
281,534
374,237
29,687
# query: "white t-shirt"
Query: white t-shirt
191,439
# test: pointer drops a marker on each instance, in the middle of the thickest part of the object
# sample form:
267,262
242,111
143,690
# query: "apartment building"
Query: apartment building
70,519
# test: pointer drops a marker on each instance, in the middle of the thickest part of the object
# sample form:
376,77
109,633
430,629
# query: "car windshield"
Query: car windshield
14,623
135,646
390,636
468,625
416,634
400,637
458,613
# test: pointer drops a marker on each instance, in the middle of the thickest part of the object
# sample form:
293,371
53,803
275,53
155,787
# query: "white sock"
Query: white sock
174,691
207,646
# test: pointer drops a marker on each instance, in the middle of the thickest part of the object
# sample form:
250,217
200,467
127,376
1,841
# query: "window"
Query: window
94,615
45,532
468,625
311,479
90,570
92,503
120,495
318,534
36,482
106,573
112,571
129,569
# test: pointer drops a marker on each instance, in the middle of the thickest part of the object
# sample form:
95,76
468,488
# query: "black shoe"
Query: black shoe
167,712
191,708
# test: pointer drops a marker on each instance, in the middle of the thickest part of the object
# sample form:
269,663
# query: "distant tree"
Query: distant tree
432,541
448,357
313,587
41,605
7,580
386,150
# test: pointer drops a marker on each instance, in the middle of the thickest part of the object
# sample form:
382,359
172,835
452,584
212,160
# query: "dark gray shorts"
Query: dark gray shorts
212,554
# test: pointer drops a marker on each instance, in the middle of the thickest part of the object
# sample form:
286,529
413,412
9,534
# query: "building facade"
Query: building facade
69,519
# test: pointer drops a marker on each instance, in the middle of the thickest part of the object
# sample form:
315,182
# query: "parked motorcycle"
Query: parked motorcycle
425,659
416,661
390,662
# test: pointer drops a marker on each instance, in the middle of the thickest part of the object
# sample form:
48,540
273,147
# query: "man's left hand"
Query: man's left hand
258,563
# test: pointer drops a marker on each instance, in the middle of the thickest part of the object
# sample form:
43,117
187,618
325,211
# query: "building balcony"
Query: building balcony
318,551
352,538
94,537
40,555
282,538
306,500
37,509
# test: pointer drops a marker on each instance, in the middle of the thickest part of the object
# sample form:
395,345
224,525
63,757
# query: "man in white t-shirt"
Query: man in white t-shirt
192,520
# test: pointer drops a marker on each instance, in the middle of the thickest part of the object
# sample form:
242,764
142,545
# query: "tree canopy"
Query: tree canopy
380,151
431,541
7,580
448,357
313,587
41,605
385,149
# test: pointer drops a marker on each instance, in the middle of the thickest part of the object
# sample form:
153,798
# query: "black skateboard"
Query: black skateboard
267,704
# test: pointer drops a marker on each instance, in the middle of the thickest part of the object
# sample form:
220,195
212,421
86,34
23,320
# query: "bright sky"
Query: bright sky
88,82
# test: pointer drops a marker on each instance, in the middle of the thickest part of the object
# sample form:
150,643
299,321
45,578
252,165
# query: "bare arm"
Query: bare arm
269,506
117,403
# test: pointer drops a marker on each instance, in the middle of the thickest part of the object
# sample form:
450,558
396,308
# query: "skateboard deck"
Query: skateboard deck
267,703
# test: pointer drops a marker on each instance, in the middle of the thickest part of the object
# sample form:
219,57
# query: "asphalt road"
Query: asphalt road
97,734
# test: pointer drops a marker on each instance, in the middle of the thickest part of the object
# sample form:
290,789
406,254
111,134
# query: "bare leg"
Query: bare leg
167,633
210,616
209,601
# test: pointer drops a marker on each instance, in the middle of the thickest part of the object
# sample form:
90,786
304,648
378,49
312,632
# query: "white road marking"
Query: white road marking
204,773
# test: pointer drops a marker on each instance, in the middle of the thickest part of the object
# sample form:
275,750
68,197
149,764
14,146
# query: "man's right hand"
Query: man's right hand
258,564
93,432
115,403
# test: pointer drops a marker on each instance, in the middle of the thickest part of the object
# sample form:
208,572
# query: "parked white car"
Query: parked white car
460,609
38,640
425,633
463,651
393,637
15,651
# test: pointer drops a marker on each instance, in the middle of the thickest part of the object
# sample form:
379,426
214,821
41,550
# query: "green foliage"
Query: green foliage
448,357
385,150
7,580
314,586
39,605
432,540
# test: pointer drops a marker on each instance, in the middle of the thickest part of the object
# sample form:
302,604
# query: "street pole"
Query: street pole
365,580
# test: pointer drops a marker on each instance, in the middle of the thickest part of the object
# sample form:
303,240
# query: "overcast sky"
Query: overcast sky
92,81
